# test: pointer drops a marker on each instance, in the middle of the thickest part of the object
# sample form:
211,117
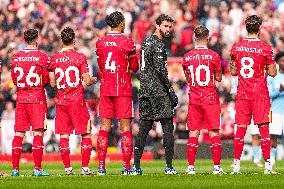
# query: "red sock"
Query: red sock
239,142
192,146
265,141
102,145
38,151
65,151
16,151
127,148
216,149
86,149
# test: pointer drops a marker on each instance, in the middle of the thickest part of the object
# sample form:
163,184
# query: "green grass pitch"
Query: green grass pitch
153,177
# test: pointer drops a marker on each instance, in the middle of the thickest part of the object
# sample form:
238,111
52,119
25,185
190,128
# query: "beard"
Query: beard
165,35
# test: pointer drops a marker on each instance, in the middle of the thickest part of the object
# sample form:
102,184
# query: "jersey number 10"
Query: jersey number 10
197,75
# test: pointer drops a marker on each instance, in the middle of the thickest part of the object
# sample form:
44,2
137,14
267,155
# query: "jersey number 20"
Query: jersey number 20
66,73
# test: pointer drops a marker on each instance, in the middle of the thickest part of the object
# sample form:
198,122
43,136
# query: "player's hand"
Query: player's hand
94,80
281,89
173,97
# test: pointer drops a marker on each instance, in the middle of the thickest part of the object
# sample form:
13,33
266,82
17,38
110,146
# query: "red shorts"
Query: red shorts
258,109
116,107
28,115
206,116
70,117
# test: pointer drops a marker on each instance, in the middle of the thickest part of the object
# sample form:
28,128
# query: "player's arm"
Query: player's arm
45,74
184,67
270,62
14,77
52,79
217,68
89,80
99,56
133,61
271,70
185,73
159,66
233,67
274,89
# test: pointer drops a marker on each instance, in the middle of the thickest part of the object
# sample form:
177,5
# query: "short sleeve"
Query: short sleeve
217,63
51,64
268,53
233,53
84,65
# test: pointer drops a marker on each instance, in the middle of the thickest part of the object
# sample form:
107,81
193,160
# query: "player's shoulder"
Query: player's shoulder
265,45
41,54
80,55
212,52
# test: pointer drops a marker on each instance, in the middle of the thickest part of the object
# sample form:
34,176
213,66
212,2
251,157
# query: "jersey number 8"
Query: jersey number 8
247,67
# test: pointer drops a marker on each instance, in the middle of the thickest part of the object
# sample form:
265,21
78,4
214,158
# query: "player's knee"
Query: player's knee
167,125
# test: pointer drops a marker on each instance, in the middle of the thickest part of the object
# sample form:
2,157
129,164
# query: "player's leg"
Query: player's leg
22,124
168,140
16,152
64,128
124,112
216,150
265,144
126,144
37,116
254,132
273,150
275,130
256,150
65,153
140,140
195,118
261,116
106,113
212,123
102,144
146,123
86,149
80,120
242,119
192,147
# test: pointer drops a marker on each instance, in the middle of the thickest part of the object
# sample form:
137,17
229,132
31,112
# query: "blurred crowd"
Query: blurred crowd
225,20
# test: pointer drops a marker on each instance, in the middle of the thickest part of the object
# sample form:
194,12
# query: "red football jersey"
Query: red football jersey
68,66
116,57
29,73
251,56
201,64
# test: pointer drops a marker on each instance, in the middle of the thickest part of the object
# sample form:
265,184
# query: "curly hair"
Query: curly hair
30,35
67,36
253,24
114,19
164,17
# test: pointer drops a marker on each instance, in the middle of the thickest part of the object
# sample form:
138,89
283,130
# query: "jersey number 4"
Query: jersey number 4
110,65
30,75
